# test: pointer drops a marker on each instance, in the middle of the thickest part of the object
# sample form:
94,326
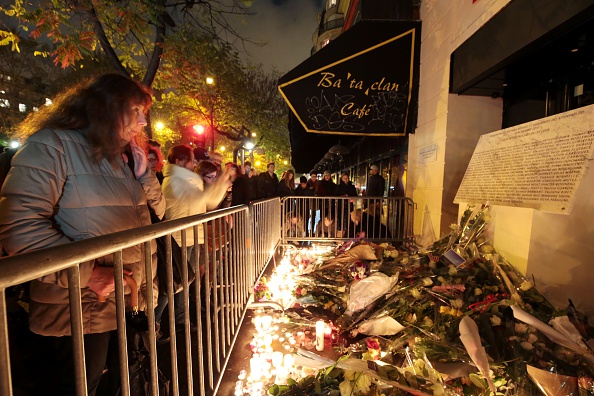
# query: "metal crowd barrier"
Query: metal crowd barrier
266,219
238,244
341,218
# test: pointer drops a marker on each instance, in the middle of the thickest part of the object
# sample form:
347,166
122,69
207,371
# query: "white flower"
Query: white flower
526,345
495,320
478,291
457,303
521,328
526,285
427,281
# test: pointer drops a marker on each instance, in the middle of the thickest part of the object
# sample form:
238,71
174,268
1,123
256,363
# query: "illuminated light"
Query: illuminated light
159,126
209,80
285,162
249,145
48,102
199,129
258,163
223,148
320,327
574,50
14,144
254,134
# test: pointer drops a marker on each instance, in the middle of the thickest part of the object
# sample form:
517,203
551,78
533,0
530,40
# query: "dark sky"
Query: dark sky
286,26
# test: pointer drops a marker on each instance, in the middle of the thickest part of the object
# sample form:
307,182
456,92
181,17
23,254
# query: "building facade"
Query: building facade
482,71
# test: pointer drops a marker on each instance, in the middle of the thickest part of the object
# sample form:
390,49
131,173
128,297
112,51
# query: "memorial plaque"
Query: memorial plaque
537,165
428,154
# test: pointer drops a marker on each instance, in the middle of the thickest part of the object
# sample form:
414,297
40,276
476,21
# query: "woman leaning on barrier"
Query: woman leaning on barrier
71,181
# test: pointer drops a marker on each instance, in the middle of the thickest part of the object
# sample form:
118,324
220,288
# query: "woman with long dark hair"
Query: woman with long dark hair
286,186
73,180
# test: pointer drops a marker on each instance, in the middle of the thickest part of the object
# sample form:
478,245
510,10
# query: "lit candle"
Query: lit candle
288,361
258,323
320,326
266,322
277,359
267,340
327,331
255,371
281,375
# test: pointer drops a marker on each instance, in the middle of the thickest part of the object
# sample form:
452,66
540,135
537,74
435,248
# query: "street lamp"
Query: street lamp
244,144
210,81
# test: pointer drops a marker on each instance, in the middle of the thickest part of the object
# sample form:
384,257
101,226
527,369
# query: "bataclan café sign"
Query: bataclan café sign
365,82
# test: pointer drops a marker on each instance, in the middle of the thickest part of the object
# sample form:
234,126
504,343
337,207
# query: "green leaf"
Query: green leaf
478,380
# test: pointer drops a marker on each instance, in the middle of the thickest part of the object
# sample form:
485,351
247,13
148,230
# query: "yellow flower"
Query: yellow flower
477,291
452,270
521,328
415,293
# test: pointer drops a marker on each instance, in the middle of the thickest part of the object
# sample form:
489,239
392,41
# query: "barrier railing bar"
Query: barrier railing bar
76,326
152,346
53,259
207,304
171,310
121,321
5,377
187,321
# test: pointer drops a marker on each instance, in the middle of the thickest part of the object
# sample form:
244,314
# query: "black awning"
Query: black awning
365,82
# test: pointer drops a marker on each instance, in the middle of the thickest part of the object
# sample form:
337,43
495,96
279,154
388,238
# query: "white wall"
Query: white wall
446,25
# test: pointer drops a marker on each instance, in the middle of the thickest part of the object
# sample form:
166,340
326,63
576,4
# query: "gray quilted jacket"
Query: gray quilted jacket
54,194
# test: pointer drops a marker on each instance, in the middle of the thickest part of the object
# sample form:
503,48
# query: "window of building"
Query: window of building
22,107
325,42
332,3
4,103
35,108
48,102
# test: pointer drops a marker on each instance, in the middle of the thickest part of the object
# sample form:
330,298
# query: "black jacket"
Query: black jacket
376,186
345,190
267,185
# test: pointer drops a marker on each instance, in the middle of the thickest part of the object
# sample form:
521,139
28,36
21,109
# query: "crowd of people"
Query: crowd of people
86,169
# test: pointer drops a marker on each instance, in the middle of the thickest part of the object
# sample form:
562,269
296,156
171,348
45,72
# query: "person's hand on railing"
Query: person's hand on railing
102,281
